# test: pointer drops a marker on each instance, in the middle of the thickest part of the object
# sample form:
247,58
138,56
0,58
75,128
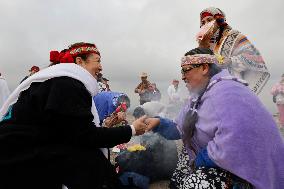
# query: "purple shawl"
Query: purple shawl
240,134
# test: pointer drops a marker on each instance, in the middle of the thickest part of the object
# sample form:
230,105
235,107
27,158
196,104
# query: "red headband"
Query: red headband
68,55
205,14
84,49
216,16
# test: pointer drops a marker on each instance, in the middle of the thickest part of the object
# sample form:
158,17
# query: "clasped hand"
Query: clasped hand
145,124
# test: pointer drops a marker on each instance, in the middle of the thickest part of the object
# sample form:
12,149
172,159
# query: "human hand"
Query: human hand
111,120
152,123
114,119
121,116
140,125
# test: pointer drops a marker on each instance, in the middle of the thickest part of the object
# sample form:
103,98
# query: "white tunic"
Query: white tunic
4,91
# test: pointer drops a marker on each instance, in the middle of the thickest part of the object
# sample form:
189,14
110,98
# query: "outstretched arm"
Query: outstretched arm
166,127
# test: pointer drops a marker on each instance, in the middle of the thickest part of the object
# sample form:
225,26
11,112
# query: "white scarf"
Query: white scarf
67,69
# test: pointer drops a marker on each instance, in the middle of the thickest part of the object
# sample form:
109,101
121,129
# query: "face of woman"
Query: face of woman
206,20
92,64
195,78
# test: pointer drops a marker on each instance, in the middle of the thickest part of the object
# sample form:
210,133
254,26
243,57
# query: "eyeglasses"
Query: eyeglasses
184,70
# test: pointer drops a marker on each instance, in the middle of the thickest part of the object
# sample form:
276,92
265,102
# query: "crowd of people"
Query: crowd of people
57,126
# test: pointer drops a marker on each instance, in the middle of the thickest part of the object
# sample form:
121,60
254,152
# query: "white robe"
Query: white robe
4,91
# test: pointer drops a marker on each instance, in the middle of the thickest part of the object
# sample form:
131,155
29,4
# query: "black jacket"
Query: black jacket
53,119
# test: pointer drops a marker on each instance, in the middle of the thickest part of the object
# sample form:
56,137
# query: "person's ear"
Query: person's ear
205,69
79,60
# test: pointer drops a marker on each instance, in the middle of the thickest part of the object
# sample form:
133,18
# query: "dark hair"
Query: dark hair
222,26
191,116
79,44
138,112
199,50
123,98
222,29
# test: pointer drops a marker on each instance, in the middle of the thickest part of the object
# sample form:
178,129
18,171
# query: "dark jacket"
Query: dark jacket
53,119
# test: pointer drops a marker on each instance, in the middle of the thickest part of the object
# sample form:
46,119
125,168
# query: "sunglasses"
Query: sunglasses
184,70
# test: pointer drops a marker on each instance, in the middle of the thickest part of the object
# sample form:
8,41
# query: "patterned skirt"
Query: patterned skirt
203,178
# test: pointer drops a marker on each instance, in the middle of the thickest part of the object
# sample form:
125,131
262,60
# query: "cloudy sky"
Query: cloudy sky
132,35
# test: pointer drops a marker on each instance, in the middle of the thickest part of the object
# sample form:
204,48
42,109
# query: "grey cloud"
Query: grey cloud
132,35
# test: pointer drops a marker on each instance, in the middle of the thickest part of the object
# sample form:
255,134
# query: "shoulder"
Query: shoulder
230,88
66,83
65,86
231,96
103,96
240,37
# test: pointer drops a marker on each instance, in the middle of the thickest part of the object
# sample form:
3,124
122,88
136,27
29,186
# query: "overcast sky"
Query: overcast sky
132,35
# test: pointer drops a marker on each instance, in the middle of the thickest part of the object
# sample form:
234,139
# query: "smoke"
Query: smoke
157,162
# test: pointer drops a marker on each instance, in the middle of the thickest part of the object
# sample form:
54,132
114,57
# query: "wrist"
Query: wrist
133,130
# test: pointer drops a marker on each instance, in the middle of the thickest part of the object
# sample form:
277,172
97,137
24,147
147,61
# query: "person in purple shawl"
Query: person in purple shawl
230,137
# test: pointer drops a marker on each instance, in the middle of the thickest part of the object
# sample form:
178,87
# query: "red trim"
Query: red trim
205,14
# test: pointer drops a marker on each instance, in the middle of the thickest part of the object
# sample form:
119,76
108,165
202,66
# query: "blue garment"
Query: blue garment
203,160
132,178
167,128
106,103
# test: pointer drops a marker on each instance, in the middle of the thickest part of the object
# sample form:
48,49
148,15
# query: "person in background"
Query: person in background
155,92
175,100
143,89
49,128
112,107
174,92
4,90
240,56
33,70
150,109
232,141
105,82
102,82
101,85
278,98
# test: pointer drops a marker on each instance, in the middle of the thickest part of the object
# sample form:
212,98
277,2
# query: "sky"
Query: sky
133,36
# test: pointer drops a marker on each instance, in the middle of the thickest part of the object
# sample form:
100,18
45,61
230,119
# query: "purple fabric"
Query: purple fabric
240,134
